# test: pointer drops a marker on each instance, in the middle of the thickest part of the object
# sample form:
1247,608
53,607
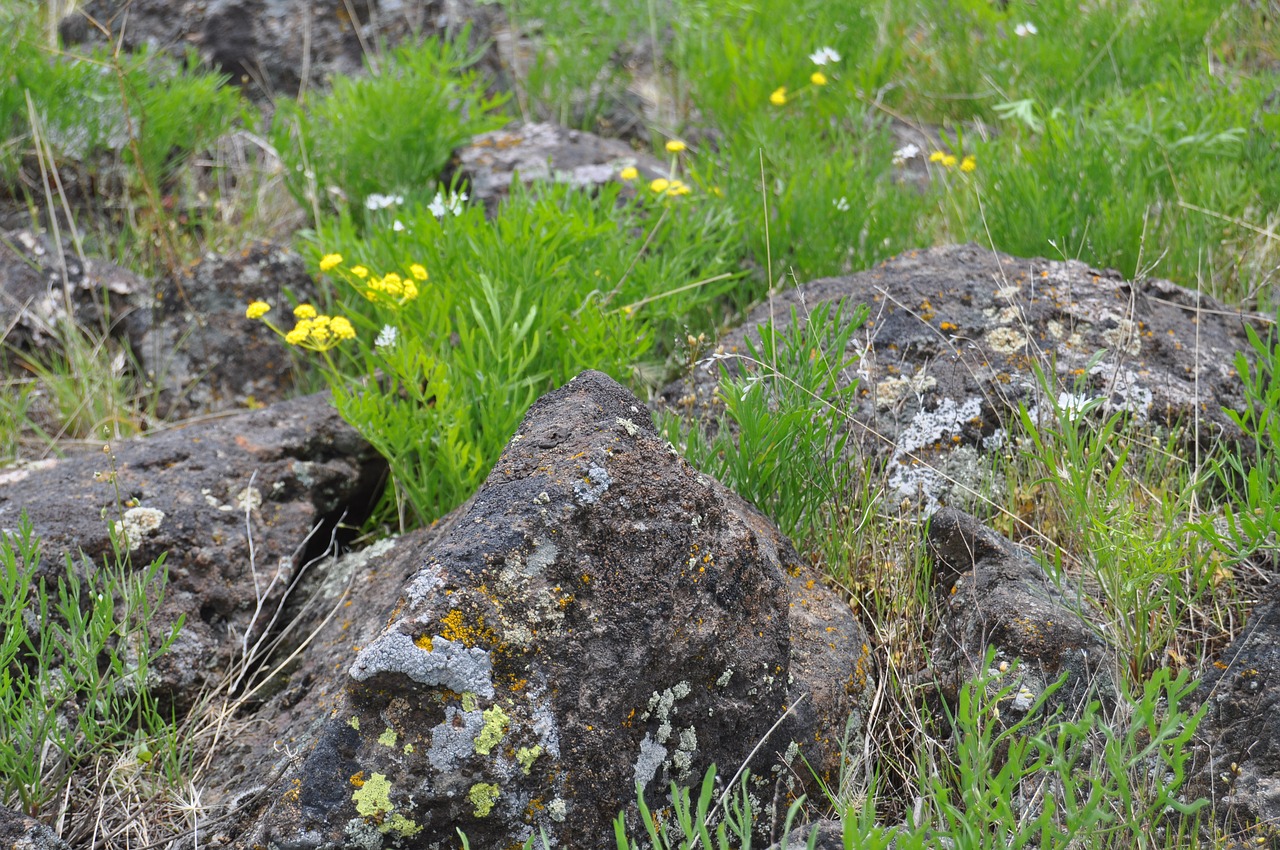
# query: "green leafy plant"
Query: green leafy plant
782,441
391,132
73,668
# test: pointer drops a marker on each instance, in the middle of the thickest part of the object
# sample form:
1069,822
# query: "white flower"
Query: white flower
841,204
904,153
1025,29
453,204
1073,405
381,202
824,56
397,225
386,337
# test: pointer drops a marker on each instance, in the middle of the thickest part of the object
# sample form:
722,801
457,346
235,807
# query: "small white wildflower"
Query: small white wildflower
904,153
841,204
824,56
1072,405
453,204
1025,29
386,337
381,202
397,225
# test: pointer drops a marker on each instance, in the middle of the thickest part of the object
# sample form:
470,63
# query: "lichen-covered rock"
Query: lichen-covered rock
230,502
19,832
41,288
547,152
599,615
953,339
199,352
991,595
271,45
1238,740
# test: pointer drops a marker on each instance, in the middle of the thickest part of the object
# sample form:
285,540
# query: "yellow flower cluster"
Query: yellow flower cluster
949,161
392,289
313,331
663,186
319,333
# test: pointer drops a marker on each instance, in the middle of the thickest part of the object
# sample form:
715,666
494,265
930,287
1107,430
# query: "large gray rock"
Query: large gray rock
953,338
232,504
598,615
19,832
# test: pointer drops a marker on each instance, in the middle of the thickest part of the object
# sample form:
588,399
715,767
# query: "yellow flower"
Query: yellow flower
675,146
257,310
342,328
937,156
360,272
678,187
304,311
969,163
629,173
779,96
717,191
299,333
410,290
418,271
949,161
818,78
660,185
328,261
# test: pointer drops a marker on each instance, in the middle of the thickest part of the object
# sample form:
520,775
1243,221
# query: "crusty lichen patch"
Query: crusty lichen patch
137,524
495,726
373,802
482,796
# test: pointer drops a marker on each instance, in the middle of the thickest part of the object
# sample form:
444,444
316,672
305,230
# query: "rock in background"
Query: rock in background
955,334
221,500
598,615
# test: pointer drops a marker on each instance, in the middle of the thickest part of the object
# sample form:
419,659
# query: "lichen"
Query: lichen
388,738
526,756
495,726
373,801
136,525
449,664
482,796
468,701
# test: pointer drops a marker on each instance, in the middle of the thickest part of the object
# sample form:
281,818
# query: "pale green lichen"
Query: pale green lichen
483,795
354,723
468,701
526,756
388,738
495,726
373,800
408,748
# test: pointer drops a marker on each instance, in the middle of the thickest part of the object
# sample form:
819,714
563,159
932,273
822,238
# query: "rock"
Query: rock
598,615
289,472
274,47
547,152
189,337
42,287
19,832
955,333
824,835
990,594
1237,750
195,345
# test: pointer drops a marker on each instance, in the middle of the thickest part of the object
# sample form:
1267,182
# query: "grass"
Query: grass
1142,137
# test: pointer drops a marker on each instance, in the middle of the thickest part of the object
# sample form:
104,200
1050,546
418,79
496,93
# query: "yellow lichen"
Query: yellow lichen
388,738
495,726
483,795
424,642
526,756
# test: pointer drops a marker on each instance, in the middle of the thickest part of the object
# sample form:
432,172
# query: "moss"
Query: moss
526,756
483,795
495,726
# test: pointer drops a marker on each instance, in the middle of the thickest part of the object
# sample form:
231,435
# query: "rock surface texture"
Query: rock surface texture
19,832
1238,741
273,46
598,615
547,152
992,595
953,338
233,502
